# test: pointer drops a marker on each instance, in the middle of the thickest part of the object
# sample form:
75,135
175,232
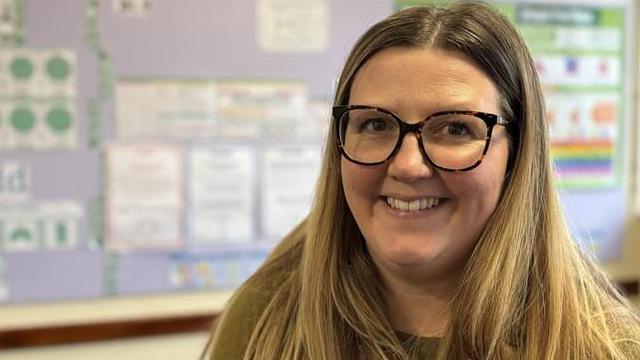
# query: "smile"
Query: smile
415,205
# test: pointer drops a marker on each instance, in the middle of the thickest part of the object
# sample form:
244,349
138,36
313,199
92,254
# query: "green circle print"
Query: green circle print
59,119
58,68
23,120
21,68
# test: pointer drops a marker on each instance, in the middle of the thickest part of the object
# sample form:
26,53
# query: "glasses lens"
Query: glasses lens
454,141
368,135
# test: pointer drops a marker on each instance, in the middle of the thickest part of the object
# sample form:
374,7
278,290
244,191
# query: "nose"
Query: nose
408,165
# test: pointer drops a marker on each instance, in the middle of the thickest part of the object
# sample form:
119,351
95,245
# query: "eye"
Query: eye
375,125
456,129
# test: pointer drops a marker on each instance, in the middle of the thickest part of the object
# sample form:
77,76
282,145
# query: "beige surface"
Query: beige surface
75,312
185,346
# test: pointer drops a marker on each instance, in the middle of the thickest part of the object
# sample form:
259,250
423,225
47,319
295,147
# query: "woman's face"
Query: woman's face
431,243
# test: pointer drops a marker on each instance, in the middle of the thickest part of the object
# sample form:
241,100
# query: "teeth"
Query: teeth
415,205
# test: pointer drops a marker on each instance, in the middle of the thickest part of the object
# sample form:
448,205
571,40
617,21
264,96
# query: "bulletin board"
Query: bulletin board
159,147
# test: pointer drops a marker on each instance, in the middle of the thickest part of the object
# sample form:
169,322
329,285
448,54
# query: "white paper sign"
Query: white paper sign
561,70
38,73
293,25
38,125
261,109
288,182
46,225
132,8
165,109
144,197
38,99
587,116
4,290
8,16
15,181
222,194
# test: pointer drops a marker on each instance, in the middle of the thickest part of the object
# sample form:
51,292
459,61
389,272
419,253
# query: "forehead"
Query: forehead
423,80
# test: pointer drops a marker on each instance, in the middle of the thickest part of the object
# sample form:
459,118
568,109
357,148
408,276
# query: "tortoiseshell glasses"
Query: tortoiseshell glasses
450,140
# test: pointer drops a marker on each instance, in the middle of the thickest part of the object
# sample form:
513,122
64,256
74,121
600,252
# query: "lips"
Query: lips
412,205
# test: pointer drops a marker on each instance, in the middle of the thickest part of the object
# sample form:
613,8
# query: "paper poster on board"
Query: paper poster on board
38,73
11,21
144,197
288,181
222,194
165,109
226,109
15,181
223,270
38,99
132,8
4,289
580,54
50,225
292,26
262,109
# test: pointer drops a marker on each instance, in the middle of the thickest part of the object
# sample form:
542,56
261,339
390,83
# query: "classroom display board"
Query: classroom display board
582,54
152,147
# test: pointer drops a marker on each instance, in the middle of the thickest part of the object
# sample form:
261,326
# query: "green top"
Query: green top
419,347
245,310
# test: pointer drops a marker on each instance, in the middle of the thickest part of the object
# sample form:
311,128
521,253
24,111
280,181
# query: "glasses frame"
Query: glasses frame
489,119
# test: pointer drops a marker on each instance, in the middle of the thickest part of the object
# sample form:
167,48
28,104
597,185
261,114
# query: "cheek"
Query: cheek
358,180
479,190
352,185
349,180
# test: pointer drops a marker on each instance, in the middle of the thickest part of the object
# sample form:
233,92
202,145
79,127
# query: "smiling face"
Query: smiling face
417,219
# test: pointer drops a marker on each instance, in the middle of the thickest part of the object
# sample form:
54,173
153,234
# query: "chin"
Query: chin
410,261
409,256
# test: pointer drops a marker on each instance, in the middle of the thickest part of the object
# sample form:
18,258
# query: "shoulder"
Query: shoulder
244,312
231,335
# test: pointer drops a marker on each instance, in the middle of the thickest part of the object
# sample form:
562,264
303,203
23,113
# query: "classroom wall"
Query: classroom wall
624,267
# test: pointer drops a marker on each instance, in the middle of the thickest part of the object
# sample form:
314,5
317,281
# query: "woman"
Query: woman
436,230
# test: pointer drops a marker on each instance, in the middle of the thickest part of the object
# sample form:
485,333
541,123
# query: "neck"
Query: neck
418,308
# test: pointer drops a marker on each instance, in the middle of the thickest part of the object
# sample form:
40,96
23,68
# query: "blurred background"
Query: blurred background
152,152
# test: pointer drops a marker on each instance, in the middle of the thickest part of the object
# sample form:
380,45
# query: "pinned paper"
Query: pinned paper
225,270
261,109
562,70
222,194
132,8
287,183
44,225
205,109
294,26
38,125
144,197
38,73
4,289
38,99
11,21
165,109
15,181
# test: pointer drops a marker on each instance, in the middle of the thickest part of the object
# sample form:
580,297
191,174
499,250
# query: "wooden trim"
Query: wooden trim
65,334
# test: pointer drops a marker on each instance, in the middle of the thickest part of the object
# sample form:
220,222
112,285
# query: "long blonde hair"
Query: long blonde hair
527,291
